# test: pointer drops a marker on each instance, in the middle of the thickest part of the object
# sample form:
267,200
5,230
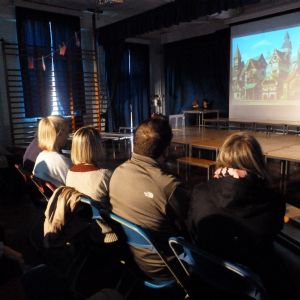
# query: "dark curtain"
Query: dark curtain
34,32
139,82
127,69
165,16
34,42
68,68
197,68
116,69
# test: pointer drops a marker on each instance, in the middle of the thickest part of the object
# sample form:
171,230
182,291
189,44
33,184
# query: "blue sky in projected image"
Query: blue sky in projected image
251,46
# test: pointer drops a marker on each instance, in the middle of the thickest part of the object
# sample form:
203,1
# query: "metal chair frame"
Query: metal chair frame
140,238
224,275
46,188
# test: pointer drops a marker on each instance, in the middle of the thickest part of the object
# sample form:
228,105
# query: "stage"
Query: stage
284,147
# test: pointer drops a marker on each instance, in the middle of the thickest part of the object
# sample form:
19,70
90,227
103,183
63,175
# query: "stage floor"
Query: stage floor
282,152
278,146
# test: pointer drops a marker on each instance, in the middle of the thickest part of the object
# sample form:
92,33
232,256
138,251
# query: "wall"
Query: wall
7,33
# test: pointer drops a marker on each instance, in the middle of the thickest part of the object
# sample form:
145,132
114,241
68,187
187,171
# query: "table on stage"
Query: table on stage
285,148
201,114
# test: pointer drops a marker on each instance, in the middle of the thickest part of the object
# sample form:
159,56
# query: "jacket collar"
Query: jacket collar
145,159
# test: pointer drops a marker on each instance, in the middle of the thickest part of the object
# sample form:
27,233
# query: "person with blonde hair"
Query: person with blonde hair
237,214
50,164
87,175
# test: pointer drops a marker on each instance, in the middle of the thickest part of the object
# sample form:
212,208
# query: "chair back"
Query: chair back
25,174
46,188
227,277
141,238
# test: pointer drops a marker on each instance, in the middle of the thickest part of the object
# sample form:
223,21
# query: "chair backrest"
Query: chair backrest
140,238
46,188
225,276
25,174
177,121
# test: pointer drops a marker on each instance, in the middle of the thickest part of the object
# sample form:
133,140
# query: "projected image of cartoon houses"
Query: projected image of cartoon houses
262,71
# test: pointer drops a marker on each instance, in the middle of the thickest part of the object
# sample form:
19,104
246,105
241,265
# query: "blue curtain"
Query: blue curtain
34,42
127,69
34,38
68,68
139,82
197,68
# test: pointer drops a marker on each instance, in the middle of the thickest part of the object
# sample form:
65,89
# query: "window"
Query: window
52,78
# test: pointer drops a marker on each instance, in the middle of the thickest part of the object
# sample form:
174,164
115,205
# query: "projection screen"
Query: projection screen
265,70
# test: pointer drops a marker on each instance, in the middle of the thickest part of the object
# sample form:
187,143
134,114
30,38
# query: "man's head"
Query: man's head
152,137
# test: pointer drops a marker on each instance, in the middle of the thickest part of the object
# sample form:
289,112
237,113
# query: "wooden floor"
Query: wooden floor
282,152
281,146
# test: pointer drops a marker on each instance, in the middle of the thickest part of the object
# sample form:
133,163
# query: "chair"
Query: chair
30,186
177,121
25,174
140,238
46,188
224,276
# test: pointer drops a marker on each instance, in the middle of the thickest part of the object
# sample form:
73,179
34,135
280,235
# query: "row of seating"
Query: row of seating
195,270
196,267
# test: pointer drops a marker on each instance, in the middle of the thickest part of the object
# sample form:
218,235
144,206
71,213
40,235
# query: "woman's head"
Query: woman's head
242,151
87,146
52,133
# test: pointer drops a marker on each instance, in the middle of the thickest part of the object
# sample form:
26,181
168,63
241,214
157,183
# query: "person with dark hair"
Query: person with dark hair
205,104
195,104
143,193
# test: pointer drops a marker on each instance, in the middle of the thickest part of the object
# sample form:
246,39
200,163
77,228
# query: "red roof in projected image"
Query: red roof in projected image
259,63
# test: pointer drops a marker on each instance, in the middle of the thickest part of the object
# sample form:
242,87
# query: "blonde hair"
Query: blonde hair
48,131
87,146
242,151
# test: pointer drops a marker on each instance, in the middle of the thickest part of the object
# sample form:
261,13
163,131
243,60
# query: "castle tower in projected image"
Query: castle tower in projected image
266,79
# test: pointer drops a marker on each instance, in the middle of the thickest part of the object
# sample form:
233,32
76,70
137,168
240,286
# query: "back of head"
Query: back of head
48,131
205,104
152,137
242,151
87,146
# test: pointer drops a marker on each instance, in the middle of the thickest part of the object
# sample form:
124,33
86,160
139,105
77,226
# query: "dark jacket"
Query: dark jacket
238,219
235,216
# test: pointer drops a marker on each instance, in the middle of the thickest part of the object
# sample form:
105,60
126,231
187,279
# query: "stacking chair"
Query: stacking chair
25,174
30,187
46,188
140,238
229,279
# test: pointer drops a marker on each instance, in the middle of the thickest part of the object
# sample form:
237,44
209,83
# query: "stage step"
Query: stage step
196,162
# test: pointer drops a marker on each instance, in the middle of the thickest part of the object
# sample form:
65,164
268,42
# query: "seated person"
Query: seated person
50,165
143,193
86,175
11,261
237,215
30,155
195,104
205,104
